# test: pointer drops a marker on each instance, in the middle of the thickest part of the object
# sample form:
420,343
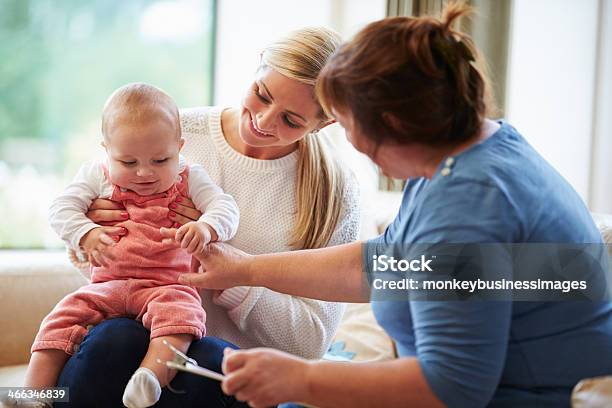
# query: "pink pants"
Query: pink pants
164,310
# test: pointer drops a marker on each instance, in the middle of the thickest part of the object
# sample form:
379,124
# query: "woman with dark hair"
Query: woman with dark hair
410,96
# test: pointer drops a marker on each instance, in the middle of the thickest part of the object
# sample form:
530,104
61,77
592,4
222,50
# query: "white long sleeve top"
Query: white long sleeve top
67,212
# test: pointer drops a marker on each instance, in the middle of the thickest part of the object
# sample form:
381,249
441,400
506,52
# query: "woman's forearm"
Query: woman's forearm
332,273
397,383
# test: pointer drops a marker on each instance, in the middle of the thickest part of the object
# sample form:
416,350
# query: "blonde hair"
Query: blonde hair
320,180
136,102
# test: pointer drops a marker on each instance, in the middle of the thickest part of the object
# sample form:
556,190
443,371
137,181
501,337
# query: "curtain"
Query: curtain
600,186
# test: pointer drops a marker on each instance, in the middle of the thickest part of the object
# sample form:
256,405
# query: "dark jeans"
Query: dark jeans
110,353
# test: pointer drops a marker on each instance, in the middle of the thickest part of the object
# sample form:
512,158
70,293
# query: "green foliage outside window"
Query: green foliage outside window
59,61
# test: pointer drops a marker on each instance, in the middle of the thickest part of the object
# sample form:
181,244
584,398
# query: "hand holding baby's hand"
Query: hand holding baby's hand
96,245
193,236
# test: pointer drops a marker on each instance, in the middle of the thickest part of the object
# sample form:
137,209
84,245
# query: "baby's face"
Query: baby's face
144,156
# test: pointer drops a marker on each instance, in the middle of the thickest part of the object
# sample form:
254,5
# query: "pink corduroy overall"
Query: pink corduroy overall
141,283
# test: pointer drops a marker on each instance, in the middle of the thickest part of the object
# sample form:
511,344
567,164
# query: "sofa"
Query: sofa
32,282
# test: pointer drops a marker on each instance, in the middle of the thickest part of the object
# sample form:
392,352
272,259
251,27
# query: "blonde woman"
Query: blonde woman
292,194
410,95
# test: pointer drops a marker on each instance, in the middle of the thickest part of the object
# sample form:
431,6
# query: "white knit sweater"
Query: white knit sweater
265,192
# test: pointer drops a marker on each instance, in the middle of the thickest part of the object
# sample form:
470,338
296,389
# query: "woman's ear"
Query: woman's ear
181,143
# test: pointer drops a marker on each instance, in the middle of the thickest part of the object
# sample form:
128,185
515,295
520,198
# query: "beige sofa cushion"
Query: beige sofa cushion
31,282
12,376
360,338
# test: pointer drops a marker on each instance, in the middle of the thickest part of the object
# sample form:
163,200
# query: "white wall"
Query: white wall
244,28
551,82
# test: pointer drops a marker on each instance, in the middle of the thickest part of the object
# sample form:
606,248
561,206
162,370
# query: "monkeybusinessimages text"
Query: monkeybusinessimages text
385,263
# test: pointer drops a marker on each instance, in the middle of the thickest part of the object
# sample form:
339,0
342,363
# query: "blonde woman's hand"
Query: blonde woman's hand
183,211
106,211
264,377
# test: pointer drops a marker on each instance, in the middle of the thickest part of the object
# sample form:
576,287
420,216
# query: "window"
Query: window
60,61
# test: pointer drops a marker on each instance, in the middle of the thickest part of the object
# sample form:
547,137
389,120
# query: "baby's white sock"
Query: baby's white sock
143,389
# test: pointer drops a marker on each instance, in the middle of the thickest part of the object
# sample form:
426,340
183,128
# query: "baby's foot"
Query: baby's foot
143,389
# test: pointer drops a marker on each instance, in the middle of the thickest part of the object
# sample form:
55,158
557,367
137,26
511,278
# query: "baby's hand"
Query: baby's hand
96,244
194,236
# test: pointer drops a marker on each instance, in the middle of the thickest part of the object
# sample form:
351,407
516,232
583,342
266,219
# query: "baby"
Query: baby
135,275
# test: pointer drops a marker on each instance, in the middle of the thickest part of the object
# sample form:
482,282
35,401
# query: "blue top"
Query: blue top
497,353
